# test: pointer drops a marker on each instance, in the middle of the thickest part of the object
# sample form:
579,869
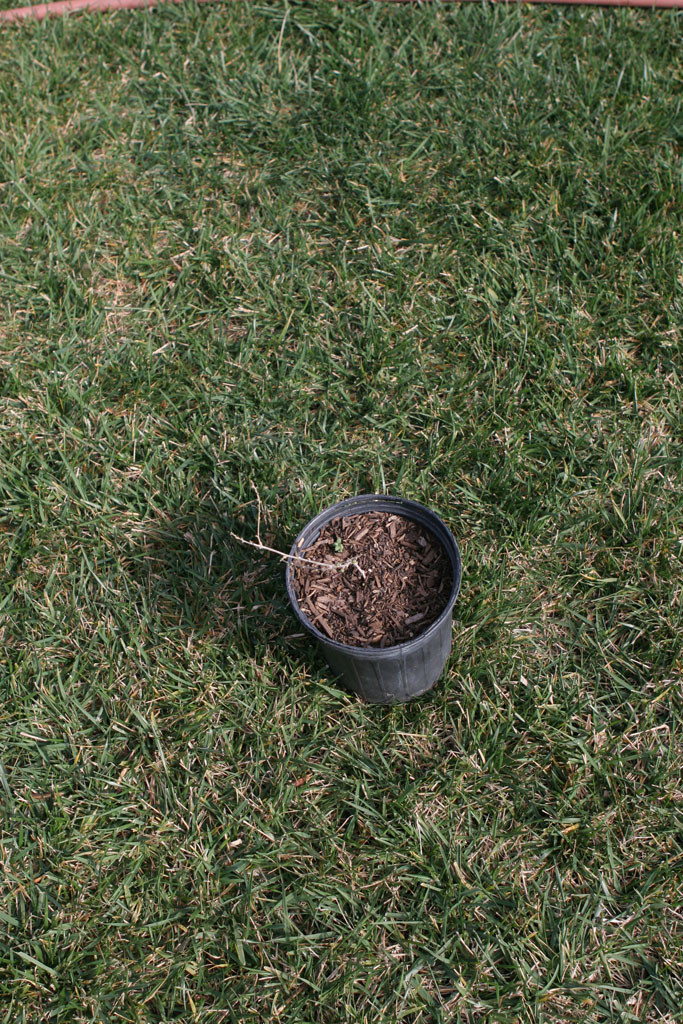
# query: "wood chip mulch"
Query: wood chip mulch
388,580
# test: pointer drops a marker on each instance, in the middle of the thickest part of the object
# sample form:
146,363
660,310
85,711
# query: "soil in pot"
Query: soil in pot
384,580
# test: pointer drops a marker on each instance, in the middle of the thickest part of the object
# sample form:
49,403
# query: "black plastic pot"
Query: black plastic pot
386,675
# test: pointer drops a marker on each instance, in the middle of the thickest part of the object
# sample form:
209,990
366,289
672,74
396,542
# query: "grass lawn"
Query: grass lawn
289,253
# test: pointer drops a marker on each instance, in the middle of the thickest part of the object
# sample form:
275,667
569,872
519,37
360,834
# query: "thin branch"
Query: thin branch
299,558
258,505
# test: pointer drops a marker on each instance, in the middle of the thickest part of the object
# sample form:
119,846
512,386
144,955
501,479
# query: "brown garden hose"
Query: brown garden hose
59,7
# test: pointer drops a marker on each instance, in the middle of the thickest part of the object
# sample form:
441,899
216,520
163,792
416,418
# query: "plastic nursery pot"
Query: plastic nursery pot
385,675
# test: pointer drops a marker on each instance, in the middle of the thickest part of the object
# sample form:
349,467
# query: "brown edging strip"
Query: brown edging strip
60,7
584,3
54,10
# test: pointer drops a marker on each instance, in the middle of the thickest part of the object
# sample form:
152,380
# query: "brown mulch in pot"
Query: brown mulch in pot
385,579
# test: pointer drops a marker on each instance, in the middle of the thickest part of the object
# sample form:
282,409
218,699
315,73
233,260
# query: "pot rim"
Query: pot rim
369,503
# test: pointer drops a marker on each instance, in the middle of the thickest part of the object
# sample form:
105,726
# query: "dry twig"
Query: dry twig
300,558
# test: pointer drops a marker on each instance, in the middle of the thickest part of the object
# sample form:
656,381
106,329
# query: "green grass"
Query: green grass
304,252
